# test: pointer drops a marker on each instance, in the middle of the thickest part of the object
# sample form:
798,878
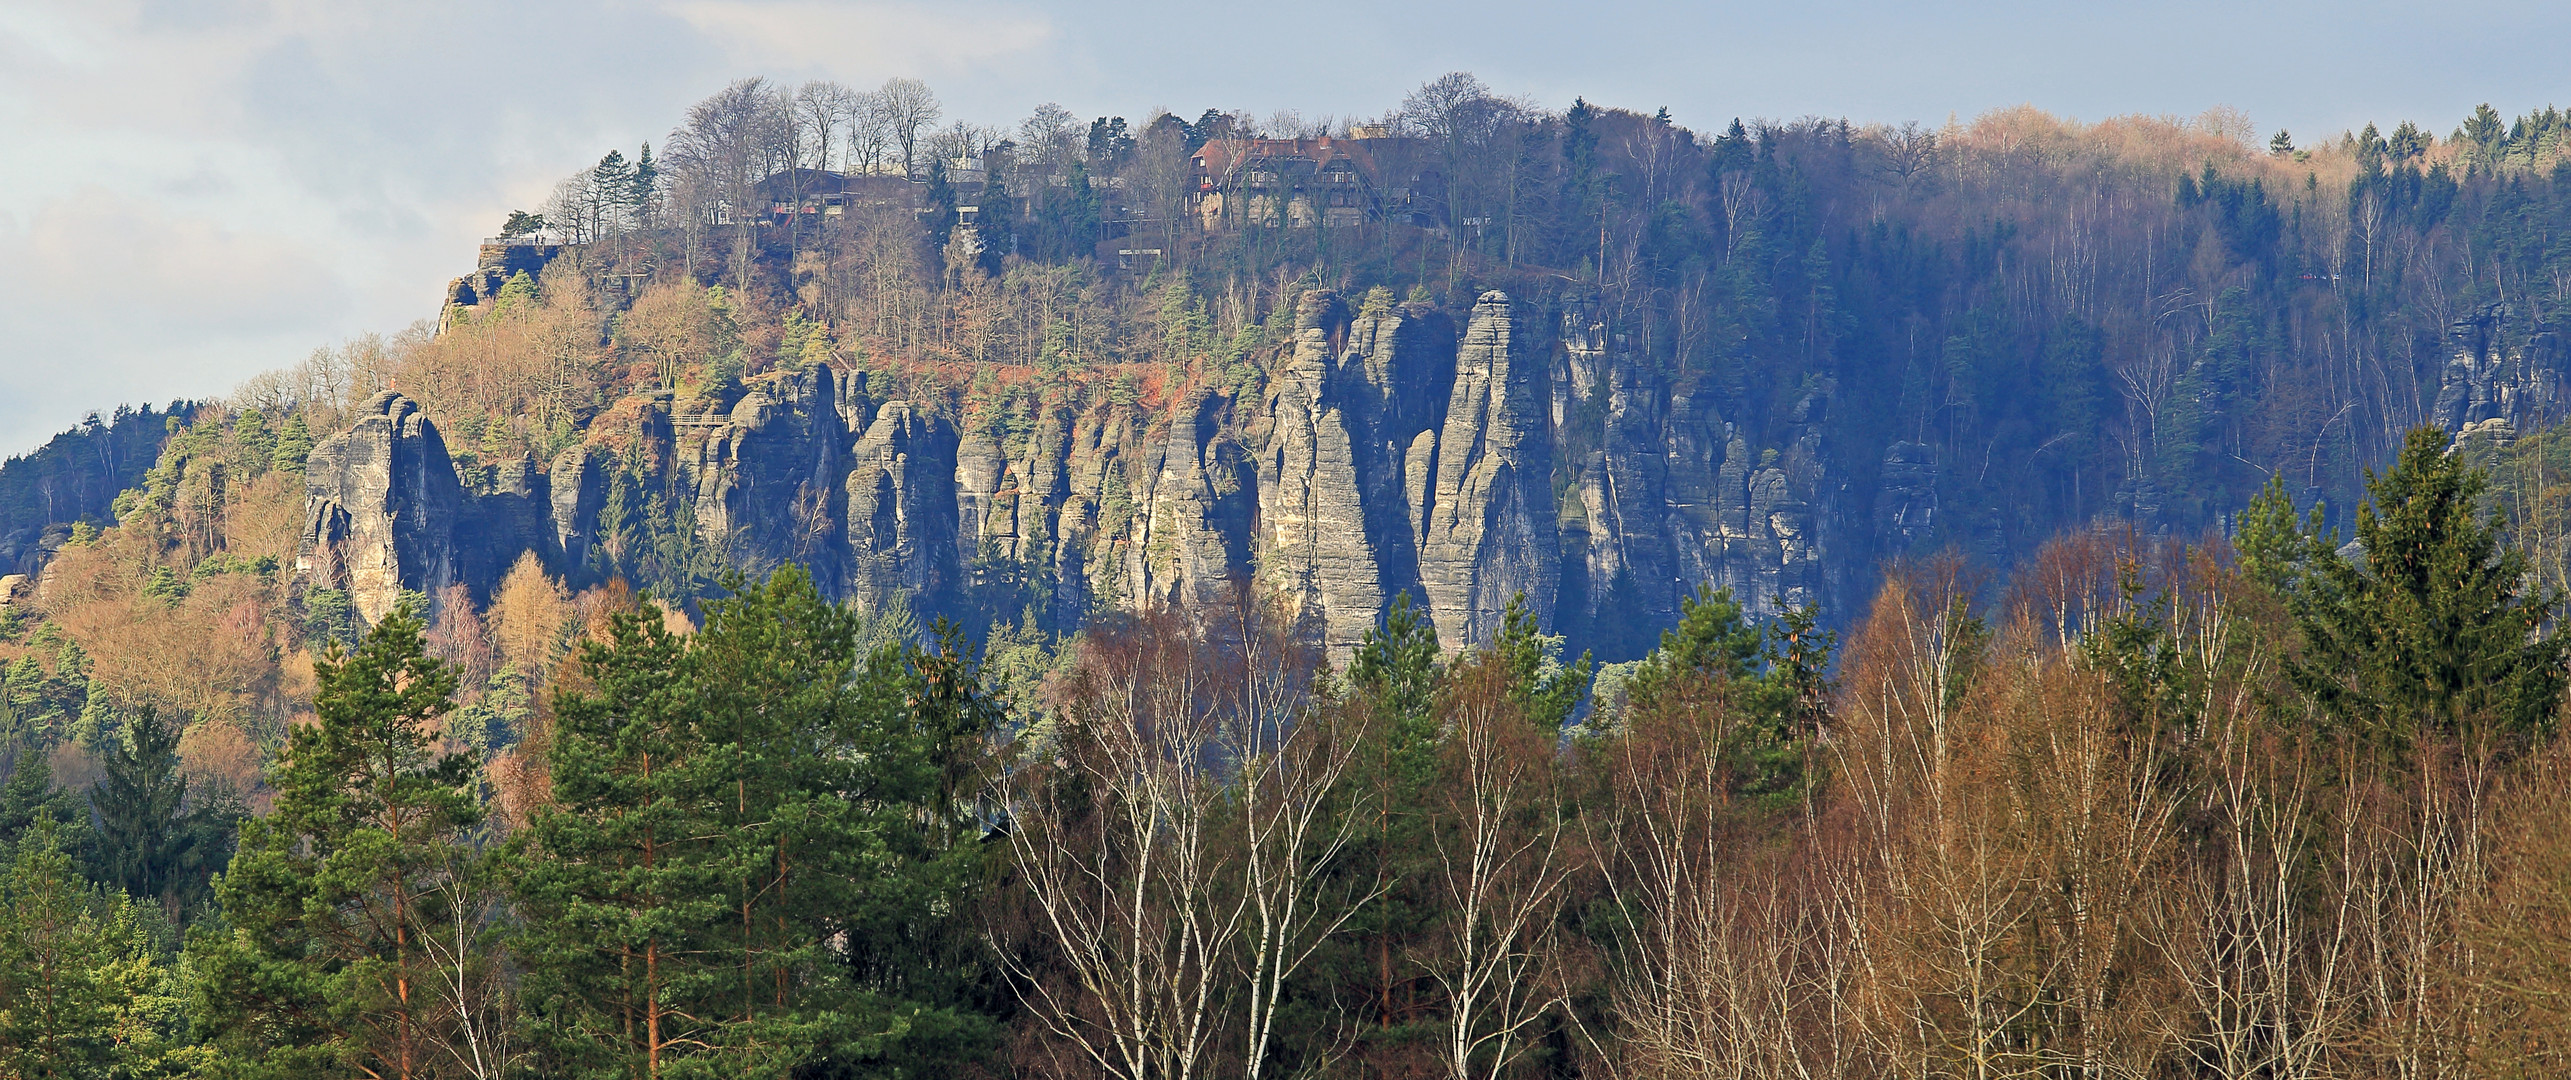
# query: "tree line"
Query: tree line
2139,317
2287,805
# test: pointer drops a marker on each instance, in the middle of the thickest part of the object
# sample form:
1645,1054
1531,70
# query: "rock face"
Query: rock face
384,508
1488,530
2496,383
1390,452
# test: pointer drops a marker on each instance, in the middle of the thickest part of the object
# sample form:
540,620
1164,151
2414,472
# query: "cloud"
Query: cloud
901,38
124,258
194,190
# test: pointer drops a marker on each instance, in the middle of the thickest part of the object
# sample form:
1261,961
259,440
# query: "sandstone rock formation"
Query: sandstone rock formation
384,508
2495,383
1389,452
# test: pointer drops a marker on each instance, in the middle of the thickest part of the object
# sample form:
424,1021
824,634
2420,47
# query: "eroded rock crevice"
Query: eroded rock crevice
1391,451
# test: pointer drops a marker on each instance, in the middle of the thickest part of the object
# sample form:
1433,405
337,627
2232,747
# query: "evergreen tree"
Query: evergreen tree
56,1015
157,838
29,800
2432,625
522,223
1540,683
1398,665
642,186
995,223
1714,639
1109,142
1397,673
615,891
1775,677
257,441
294,444
940,202
332,899
140,803
758,850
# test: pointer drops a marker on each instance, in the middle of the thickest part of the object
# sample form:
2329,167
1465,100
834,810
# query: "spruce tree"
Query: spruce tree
2432,626
143,838
940,202
294,444
333,898
995,223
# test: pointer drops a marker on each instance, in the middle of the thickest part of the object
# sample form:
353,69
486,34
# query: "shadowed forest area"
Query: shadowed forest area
2284,806
2208,729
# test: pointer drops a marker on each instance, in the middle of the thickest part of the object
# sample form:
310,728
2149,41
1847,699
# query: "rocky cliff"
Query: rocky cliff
2499,378
1391,451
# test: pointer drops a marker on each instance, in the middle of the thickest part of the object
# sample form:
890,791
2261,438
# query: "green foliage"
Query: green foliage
324,967
45,690
522,223
2431,626
294,445
1399,666
1713,639
160,838
29,801
83,989
1774,677
79,474
1396,675
649,537
329,616
759,849
939,200
1539,682
56,1013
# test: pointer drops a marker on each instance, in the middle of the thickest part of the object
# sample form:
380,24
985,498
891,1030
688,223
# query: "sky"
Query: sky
193,191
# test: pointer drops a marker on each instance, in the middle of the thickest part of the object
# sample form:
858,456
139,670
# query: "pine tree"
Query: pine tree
1398,666
1774,677
2432,626
1397,672
56,1017
758,849
29,800
614,889
1714,639
257,441
333,899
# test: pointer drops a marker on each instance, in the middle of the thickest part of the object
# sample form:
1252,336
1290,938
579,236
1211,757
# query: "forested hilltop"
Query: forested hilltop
1148,356
844,593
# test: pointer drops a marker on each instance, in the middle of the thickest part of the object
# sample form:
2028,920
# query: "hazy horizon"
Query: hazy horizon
201,191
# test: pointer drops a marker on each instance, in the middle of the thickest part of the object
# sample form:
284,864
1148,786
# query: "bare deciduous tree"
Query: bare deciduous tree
1118,838
821,109
1503,872
905,106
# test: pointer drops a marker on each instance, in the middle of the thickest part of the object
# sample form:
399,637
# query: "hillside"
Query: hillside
844,596
1622,357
